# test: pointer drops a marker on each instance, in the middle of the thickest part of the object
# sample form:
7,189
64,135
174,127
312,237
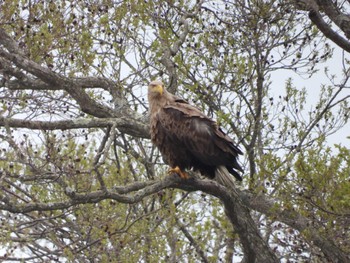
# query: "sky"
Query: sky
313,88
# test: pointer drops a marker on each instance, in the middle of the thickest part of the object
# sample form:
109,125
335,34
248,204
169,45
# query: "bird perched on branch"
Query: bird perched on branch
187,138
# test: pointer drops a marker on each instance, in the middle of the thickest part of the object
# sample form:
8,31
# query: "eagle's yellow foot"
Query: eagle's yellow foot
178,171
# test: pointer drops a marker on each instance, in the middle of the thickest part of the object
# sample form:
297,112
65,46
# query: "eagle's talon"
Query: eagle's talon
178,171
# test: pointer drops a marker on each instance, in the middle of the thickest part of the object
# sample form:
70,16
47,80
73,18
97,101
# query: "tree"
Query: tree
80,181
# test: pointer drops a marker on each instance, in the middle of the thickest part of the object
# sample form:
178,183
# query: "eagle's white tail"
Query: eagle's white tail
223,177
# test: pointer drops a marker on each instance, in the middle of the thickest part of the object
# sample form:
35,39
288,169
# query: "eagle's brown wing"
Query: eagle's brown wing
200,135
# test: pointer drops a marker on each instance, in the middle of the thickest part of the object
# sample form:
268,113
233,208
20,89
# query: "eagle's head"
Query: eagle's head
156,88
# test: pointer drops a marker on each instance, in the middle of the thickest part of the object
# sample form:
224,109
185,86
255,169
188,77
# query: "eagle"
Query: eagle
188,139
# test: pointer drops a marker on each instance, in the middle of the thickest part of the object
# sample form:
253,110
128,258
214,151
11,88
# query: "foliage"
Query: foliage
81,182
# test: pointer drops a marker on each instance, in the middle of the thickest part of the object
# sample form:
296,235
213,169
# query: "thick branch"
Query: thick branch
314,7
317,19
37,84
127,124
92,197
342,20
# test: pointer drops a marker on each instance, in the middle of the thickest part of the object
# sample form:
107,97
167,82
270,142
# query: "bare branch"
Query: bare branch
127,124
315,7
37,84
317,19
341,19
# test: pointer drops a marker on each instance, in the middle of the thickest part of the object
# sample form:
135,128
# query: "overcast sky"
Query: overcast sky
313,87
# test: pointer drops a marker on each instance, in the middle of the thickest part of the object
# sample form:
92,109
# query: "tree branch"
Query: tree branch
317,19
37,84
127,124
171,51
314,7
341,19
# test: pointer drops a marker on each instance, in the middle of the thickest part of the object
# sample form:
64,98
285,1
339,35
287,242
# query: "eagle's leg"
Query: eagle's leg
178,171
